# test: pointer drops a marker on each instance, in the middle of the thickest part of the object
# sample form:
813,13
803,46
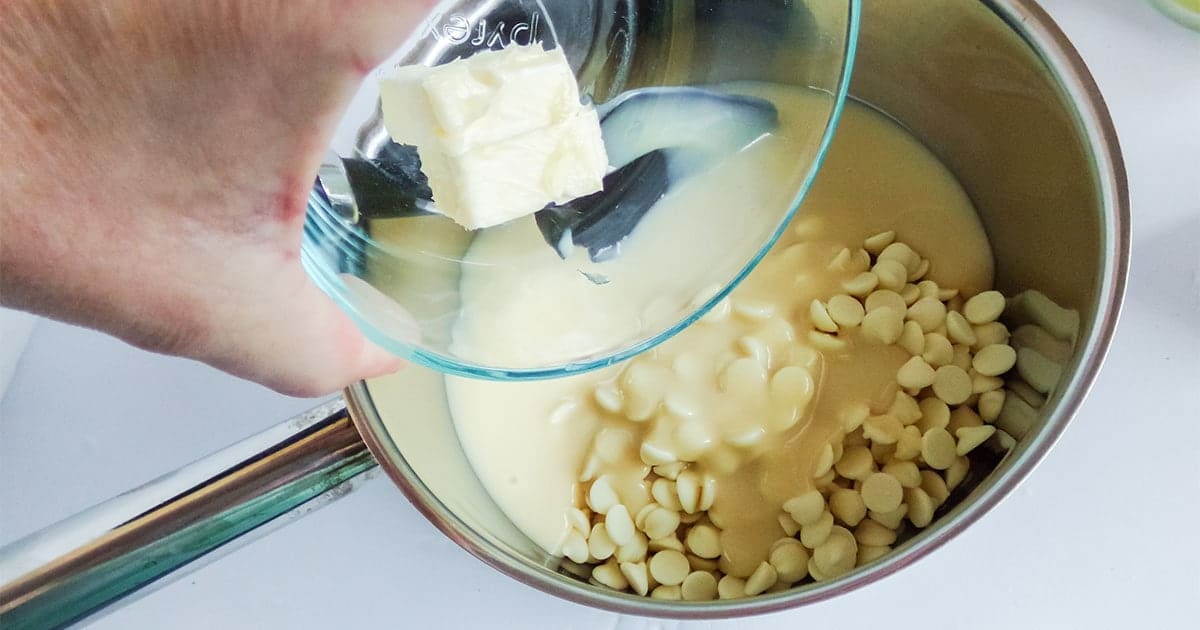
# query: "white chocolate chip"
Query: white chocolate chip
708,493
1036,337
600,545
744,378
891,519
882,492
1037,308
825,341
906,472
692,439
591,468
854,415
578,521
1040,372
984,307
699,586
920,272
643,385
730,587
938,449
620,525
635,551
1027,393
763,578
902,254
609,574
847,505
876,244
868,554
704,541
846,311
1005,441
912,338
790,560
892,274
1016,417
885,298
821,320
664,493
905,408
824,461
669,567
637,575
702,564
908,446
665,592
838,554
608,397
601,496
873,534
805,508
920,506
960,329
788,524
665,543
994,360
929,313
934,486
754,310
938,351
961,417
971,437
883,429
990,334
841,261
575,547
855,463
952,384
962,358
883,326
815,533
862,284
990,404
655,454
687,486
915,374
981,384
660,522
957,472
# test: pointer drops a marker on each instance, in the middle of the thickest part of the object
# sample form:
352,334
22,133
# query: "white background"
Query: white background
1102,535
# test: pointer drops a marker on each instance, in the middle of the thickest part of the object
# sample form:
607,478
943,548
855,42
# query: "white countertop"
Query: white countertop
1102,535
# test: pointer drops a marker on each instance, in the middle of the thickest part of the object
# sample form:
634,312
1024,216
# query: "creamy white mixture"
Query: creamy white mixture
529,442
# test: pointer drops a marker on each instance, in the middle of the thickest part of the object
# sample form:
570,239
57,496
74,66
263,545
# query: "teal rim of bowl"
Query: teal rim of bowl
327,279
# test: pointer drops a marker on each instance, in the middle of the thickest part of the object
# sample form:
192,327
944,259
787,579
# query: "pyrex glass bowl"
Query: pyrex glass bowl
401,279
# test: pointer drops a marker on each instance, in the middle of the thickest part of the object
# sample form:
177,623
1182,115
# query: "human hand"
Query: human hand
155,158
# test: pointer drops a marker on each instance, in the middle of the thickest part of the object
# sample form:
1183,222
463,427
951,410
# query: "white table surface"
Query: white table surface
1102,535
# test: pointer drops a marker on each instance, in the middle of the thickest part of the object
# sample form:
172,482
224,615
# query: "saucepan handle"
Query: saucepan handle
150,536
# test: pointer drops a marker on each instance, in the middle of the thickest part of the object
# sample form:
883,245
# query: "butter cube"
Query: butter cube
500,134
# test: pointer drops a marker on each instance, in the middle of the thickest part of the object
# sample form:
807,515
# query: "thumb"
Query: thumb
297,342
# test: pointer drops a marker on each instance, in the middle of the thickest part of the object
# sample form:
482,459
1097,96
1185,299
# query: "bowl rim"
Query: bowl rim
325,230
1032,23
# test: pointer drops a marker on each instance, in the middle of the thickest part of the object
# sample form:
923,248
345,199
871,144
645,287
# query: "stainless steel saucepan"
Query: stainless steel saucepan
993,87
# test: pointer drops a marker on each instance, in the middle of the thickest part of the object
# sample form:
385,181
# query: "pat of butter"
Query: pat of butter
500,134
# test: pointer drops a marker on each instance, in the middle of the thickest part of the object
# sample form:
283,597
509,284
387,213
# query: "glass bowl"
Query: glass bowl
441,296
